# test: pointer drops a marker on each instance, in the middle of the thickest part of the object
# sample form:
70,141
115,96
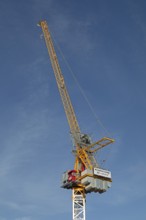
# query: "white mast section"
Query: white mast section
78,204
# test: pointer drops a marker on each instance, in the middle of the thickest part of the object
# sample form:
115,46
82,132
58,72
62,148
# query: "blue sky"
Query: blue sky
104,43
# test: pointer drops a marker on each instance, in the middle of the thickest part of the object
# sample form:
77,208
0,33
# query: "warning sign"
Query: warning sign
102,173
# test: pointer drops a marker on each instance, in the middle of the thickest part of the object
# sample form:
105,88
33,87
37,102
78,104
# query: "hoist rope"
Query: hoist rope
80,88
98,121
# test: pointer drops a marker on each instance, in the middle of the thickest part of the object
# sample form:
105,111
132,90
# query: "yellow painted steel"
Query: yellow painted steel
84,157
100,143
71,117
83,153
79,190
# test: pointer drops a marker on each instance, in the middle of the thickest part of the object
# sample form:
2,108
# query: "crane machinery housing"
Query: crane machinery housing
86,176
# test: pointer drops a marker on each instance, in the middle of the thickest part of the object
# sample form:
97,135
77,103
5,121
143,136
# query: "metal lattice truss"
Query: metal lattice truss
69,110
78,204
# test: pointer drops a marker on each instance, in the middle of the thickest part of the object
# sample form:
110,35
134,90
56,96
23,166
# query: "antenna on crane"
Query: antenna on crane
86,176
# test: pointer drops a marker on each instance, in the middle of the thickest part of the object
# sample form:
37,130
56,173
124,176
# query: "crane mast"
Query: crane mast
86,176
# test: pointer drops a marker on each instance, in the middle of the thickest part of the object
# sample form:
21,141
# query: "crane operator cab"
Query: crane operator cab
85,139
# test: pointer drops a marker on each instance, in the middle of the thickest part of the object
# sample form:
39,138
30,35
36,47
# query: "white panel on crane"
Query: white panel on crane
102,173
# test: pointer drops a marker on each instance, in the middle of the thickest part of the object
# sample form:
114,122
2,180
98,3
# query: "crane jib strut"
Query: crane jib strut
86,176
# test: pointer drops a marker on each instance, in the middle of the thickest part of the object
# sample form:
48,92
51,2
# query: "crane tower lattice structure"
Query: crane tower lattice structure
86,176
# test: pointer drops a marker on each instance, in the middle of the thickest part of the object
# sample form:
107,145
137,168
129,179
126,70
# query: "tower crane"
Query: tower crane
86,176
